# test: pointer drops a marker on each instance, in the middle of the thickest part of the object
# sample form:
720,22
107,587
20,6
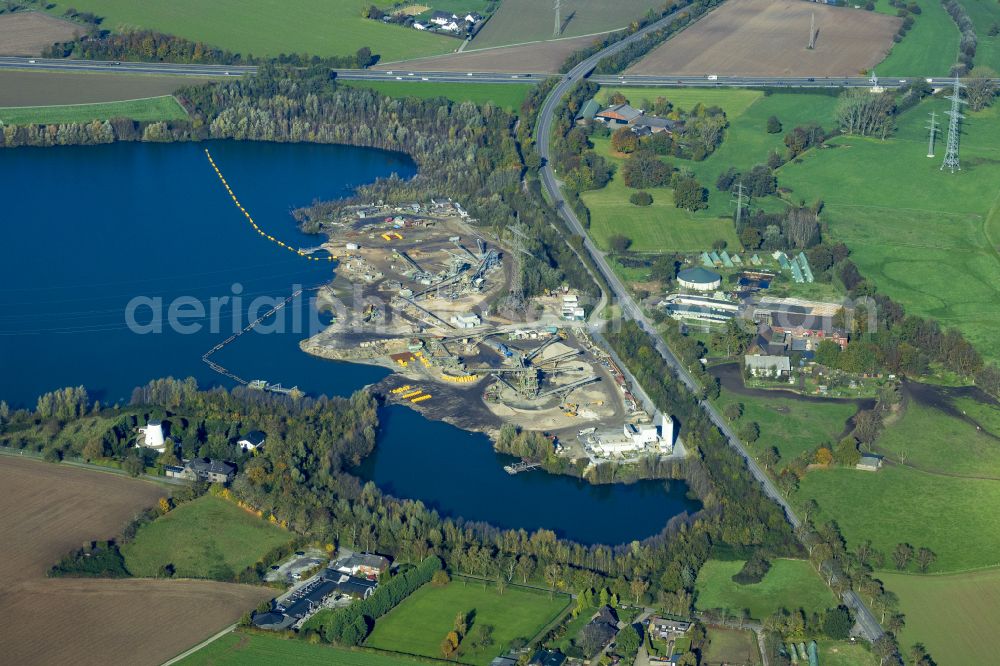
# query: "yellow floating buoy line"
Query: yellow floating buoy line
260,231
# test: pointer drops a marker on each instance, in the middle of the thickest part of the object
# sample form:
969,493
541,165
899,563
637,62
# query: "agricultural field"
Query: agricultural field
29,33
269,27
237,649
152,108
24,88
769,38
953,615
917,231
985,15
790,584
843,653
519,21
507,96
207,538
930,48
952,516
792,426
537,57
418,625
730,646
45,511
662,227
929,440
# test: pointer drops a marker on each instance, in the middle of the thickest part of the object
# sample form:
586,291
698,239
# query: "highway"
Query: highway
869,625
418,76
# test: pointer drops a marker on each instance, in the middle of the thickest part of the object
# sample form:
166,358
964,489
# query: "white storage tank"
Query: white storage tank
153,435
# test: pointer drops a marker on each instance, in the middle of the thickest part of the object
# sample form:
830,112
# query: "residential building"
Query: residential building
203,469
252,440
601,629
365,565
768,366
547,658
662,627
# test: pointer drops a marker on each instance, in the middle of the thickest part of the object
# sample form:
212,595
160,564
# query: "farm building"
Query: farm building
588,111
699,279
869,463
700,308
619,114
655,124
768,366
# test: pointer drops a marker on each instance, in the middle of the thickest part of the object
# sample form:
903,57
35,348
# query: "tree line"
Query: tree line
153,46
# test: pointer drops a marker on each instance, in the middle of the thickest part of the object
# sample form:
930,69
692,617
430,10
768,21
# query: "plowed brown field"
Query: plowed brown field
541,57
27,33
48,509
769,38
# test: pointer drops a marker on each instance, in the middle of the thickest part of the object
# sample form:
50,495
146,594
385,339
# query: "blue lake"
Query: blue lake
87,230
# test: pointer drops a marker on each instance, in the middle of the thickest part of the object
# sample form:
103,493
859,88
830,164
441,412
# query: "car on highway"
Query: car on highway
389,73
31,62
410,74
424,78
469,74
713,77
399,78
300,553
274,567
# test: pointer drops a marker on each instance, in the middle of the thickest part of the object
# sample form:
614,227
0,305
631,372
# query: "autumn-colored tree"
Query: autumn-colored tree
449,646
624,140
823,456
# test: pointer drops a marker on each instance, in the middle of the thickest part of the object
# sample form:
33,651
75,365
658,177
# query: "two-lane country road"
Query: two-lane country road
869,625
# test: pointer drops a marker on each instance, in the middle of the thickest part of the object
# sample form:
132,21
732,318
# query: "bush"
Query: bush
837,623
773,125
101,559
754,570
619,244
440,578
690,195
641,199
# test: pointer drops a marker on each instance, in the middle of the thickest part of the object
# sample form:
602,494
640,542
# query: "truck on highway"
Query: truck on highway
713,77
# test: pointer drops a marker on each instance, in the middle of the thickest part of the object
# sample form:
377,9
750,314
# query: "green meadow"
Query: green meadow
790,584
508,96
206,538
418,624
792,426
151,108
953,516
985,14
930,48
927,238
930,440
953,615
269,27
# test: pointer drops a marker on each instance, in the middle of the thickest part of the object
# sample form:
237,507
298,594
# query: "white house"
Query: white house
252,440
417,25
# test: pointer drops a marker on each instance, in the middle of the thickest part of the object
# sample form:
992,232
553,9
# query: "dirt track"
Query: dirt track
542,57
27,33
47,509
769,38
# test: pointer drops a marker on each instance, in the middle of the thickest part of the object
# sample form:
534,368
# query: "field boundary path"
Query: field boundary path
190,651
870,627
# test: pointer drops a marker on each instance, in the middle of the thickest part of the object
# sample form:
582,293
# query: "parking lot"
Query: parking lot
292,569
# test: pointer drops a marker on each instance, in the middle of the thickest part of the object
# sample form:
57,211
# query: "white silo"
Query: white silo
667,430
153,435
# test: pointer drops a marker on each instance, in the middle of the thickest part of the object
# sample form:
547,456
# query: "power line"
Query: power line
933,131
951,153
